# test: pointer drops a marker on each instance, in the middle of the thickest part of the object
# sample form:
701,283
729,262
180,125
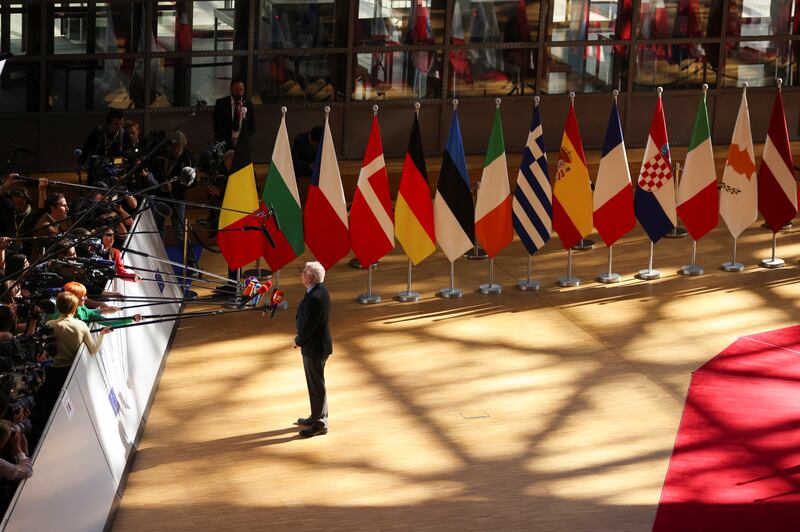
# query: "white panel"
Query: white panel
71,488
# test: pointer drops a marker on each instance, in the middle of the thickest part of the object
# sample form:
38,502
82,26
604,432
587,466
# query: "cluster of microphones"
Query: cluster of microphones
254,291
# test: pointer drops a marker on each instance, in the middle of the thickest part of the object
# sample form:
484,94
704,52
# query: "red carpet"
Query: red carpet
736,461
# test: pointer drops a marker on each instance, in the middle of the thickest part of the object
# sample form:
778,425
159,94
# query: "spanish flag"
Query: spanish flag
240,237
572,192
413,212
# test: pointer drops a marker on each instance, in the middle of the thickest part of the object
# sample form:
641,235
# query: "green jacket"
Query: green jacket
88,315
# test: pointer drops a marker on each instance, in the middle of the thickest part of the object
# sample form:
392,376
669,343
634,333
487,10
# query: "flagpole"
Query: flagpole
733,266
773,262
369,298
491,288
677,232
188,293
584,244
408,295
528,285
451,292
569,280
693,268
609,277
649,274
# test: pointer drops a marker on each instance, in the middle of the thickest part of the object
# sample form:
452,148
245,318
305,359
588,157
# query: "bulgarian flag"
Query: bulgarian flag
493,225
282,200
698,200
572,193
240,238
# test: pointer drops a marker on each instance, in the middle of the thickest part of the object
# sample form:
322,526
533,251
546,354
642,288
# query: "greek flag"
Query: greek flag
532,204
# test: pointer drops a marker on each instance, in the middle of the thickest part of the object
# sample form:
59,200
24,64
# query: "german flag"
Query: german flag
240,237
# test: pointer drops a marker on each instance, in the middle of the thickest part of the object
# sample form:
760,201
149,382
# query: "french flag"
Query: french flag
325,212
613,192
654,196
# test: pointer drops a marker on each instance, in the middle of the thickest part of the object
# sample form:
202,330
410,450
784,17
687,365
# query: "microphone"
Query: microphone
77,152
187,176
201,102
23,149
277,299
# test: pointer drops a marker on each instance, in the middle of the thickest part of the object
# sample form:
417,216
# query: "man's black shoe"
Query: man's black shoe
305,421
310,432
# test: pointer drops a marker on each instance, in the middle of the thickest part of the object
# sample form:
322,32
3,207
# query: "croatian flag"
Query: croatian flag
613,192
654,196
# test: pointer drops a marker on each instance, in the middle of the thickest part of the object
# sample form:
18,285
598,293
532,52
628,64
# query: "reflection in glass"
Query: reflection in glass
584,69
661,19
399,22
760,63
301,24
762,17
674,67
19,87
397,75
119,27
495,21
70,27
495,72
87,85
300,78
183,25
187,82
590,20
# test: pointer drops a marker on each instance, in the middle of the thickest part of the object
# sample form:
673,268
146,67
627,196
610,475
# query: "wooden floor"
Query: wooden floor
551,411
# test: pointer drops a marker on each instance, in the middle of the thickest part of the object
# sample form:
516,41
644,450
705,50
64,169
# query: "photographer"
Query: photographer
19,216
70,333
104,145
48,225
14,461
170,167
111,253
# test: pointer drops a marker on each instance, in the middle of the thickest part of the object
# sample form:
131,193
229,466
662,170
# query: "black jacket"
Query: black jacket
223,120
313,333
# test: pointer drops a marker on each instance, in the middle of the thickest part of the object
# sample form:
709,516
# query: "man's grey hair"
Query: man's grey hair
317,270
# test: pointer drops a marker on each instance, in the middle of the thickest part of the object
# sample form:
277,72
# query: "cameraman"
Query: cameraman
19,215
169,169
14,461
48,225
104,144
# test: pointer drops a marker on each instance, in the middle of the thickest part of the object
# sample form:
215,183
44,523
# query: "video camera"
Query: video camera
94,272
210,167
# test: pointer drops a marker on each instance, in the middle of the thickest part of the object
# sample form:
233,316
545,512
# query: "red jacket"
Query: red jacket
121,270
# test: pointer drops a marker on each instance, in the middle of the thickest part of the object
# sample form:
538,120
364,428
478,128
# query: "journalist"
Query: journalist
87,315
48,226
113,254
14,461
104,144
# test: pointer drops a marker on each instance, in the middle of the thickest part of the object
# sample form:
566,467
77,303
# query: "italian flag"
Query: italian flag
493,225
698,200
282,201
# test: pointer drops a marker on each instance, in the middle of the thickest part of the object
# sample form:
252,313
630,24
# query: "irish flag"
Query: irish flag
698,201
240,238
493,225
282,200
572,193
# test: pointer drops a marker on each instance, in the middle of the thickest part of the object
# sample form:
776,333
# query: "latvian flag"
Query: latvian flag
613,192
654,196
532,204
493,206
325,214
777,190
371,224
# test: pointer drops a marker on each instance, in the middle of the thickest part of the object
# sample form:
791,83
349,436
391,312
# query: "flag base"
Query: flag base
732,266
772,263
691,269
490,289
449,293
353,263
528,286
783,228
568,281
609,278
368,299
265,274
406,297
584,244
648,274
476,253
677,232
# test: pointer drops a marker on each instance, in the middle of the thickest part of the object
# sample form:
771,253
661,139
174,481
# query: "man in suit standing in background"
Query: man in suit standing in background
232,113
314,340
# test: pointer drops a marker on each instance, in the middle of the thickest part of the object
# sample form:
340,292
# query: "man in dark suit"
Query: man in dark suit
231,113
314,340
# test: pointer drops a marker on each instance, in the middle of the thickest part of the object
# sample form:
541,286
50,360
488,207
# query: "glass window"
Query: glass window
487,21
674,67
183,25
19,87
21,35
660,19
760,63
185,82
119,27
70,27
762,17
397,75
589,20
492,72
300,78
585,69
87,85
399,22
302,24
